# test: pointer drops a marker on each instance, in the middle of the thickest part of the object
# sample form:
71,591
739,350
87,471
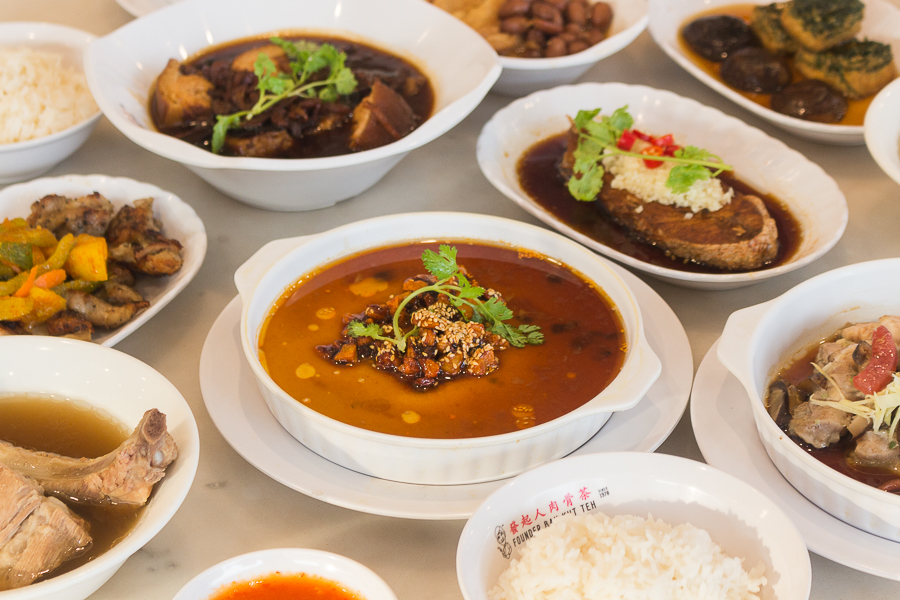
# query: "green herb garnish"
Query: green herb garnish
306,59
451,282
598,139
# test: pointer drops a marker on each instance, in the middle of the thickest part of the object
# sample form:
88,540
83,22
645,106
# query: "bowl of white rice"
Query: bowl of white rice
46,109
630,525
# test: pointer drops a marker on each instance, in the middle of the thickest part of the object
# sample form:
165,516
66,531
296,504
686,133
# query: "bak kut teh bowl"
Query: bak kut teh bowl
759,341
118,387
437,459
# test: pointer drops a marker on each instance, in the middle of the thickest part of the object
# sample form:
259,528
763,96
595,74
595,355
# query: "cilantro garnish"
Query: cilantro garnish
491,313
599,139
306,59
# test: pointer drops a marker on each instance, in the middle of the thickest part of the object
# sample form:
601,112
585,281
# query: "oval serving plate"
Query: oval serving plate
882,130
765,163
179,221
880,23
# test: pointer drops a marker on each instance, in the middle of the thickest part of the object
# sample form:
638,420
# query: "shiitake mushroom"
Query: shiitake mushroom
812,100
715,37
755,70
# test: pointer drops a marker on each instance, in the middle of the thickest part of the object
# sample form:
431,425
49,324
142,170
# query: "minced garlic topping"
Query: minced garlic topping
632,175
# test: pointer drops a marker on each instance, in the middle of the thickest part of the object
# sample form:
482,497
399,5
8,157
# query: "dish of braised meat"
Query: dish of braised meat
407,341
291,97
839,401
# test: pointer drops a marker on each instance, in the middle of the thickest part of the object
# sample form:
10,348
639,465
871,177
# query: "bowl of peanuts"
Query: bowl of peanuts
546,43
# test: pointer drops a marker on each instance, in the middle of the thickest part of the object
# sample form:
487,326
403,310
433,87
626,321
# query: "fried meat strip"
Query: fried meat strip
86,214
134,237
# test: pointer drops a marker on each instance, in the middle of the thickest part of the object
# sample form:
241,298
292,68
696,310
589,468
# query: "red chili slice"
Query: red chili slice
626,141
639,134
666,140
671,149
880,370
653,151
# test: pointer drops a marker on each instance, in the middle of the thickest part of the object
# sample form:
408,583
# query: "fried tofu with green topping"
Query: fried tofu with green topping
821,24
765,21
857,68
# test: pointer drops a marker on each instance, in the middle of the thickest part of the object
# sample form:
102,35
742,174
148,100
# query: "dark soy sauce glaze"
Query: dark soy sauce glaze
539,176
835,456
359,57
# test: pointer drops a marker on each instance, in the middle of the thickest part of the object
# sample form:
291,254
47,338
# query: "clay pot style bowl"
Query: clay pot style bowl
264,278
760,340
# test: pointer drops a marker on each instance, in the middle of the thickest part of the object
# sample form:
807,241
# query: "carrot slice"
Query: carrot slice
50,279
22,292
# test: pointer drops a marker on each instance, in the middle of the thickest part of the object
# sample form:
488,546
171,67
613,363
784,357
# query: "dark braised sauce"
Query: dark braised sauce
583,349
539,176
359,57
68,429
835,455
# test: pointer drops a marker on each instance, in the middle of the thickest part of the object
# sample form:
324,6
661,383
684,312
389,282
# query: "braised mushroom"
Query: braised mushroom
715,37
812,100
755,70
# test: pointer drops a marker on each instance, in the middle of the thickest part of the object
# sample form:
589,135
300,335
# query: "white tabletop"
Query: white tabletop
233,508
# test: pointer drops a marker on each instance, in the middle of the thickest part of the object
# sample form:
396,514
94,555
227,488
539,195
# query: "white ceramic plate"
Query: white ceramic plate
238,410
881,23
725,431
882,129
765,163
740,520
179,221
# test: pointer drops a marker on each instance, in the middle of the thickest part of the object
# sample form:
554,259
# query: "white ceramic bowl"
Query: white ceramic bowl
179,221
125,388
667,17
24,160
882,129
122,68
759,340
765,163
263,279
743,522
522,76
354,576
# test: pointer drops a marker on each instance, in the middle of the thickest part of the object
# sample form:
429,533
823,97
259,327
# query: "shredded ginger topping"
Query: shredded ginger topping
633,176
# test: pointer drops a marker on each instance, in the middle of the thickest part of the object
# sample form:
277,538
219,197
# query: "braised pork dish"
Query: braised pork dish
649,197
839,402
71,267
800,58
291,97
56,512
452,341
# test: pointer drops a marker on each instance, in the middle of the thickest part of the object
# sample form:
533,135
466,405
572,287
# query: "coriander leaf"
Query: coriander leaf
620,120
682,177
223,124
532,333
344,81
470,292
585,116
495,309
510,334
270,80
358,329
587,184
441,264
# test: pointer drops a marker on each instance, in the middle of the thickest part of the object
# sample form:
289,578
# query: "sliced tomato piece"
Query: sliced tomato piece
880,369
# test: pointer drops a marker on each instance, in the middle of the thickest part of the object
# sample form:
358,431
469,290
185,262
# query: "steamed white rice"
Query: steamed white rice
593,557
39,95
